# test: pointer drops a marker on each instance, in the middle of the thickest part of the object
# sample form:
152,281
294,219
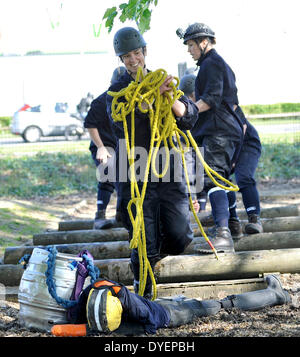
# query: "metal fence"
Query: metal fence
272,128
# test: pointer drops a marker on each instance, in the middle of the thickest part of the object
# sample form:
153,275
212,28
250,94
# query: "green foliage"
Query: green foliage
61,174
281,161
271,108
5,121
135,10
47,174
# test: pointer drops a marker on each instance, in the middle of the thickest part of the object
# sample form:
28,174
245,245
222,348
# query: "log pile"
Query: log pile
275,250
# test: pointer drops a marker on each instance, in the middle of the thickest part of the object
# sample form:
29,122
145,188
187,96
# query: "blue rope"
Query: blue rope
24,260
92,270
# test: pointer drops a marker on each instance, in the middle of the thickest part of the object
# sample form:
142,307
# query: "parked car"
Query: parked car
32,123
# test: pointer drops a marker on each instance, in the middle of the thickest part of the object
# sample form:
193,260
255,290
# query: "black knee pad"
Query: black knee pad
107,186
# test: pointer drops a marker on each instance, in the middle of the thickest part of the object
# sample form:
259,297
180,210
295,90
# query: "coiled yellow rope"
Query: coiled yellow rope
146,90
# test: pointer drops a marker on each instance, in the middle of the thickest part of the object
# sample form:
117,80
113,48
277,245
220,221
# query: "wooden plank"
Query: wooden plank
198,290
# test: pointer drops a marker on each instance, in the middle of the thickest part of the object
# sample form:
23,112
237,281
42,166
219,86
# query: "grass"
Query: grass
21,219
47,174
34,172
271,108
281,161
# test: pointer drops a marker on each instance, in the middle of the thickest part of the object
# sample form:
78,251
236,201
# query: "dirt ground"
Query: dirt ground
277,321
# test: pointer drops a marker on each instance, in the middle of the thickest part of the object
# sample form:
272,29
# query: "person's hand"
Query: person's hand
165,86
196,206
102,154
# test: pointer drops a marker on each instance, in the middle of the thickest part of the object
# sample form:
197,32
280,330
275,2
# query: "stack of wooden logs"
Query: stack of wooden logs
275,250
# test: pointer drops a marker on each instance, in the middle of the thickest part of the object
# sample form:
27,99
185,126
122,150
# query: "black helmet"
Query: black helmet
187,84
194,31
117,74
127,39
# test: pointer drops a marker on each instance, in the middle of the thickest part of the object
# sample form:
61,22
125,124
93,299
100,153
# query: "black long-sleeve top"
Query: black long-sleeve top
97,118
142,123
215,85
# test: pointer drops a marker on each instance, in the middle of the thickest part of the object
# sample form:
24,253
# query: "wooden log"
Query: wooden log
10,274
82,236
280,224
75,225
276,224
262,241
282,211
99,250
192,268
120,249
189,268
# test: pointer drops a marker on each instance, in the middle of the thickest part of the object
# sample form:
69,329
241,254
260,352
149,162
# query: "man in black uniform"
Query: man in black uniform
218,130
166,205
244,171
102,147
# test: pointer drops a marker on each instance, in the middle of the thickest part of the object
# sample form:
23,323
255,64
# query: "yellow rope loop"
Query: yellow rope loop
144,93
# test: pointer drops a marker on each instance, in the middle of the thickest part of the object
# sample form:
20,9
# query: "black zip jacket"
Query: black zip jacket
97,118
215,85
142,124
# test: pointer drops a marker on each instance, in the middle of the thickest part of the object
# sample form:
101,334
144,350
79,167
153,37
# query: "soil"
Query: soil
276,321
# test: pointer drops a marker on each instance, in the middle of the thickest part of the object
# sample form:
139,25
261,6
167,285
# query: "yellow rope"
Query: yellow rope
146,90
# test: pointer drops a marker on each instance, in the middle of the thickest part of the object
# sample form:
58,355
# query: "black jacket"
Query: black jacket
215,85
142,124
97,118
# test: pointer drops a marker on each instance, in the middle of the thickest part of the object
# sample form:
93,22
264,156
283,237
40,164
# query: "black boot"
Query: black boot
183,310
221,240
101,222
235,227
134,266
254,226
207,221
117,222
148,288
274,294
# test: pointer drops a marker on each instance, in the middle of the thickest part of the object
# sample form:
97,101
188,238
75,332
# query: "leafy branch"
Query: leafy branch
135,10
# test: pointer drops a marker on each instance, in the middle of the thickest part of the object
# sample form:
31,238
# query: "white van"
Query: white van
32,123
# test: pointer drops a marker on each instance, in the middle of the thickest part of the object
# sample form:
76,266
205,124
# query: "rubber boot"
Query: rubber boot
101,222
254,226
183,311
221,240
235,227
274,294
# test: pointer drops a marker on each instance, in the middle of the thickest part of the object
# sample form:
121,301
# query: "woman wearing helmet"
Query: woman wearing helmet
219,130
166,205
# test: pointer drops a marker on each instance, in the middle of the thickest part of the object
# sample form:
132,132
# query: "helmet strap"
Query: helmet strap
203,51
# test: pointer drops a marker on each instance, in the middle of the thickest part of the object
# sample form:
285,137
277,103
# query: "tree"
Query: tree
136,10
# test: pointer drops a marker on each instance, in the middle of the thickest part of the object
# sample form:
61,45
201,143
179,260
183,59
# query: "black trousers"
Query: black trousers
166,216
219,153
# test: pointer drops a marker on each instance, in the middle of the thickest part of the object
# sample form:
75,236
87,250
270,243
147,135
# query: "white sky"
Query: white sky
259,38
